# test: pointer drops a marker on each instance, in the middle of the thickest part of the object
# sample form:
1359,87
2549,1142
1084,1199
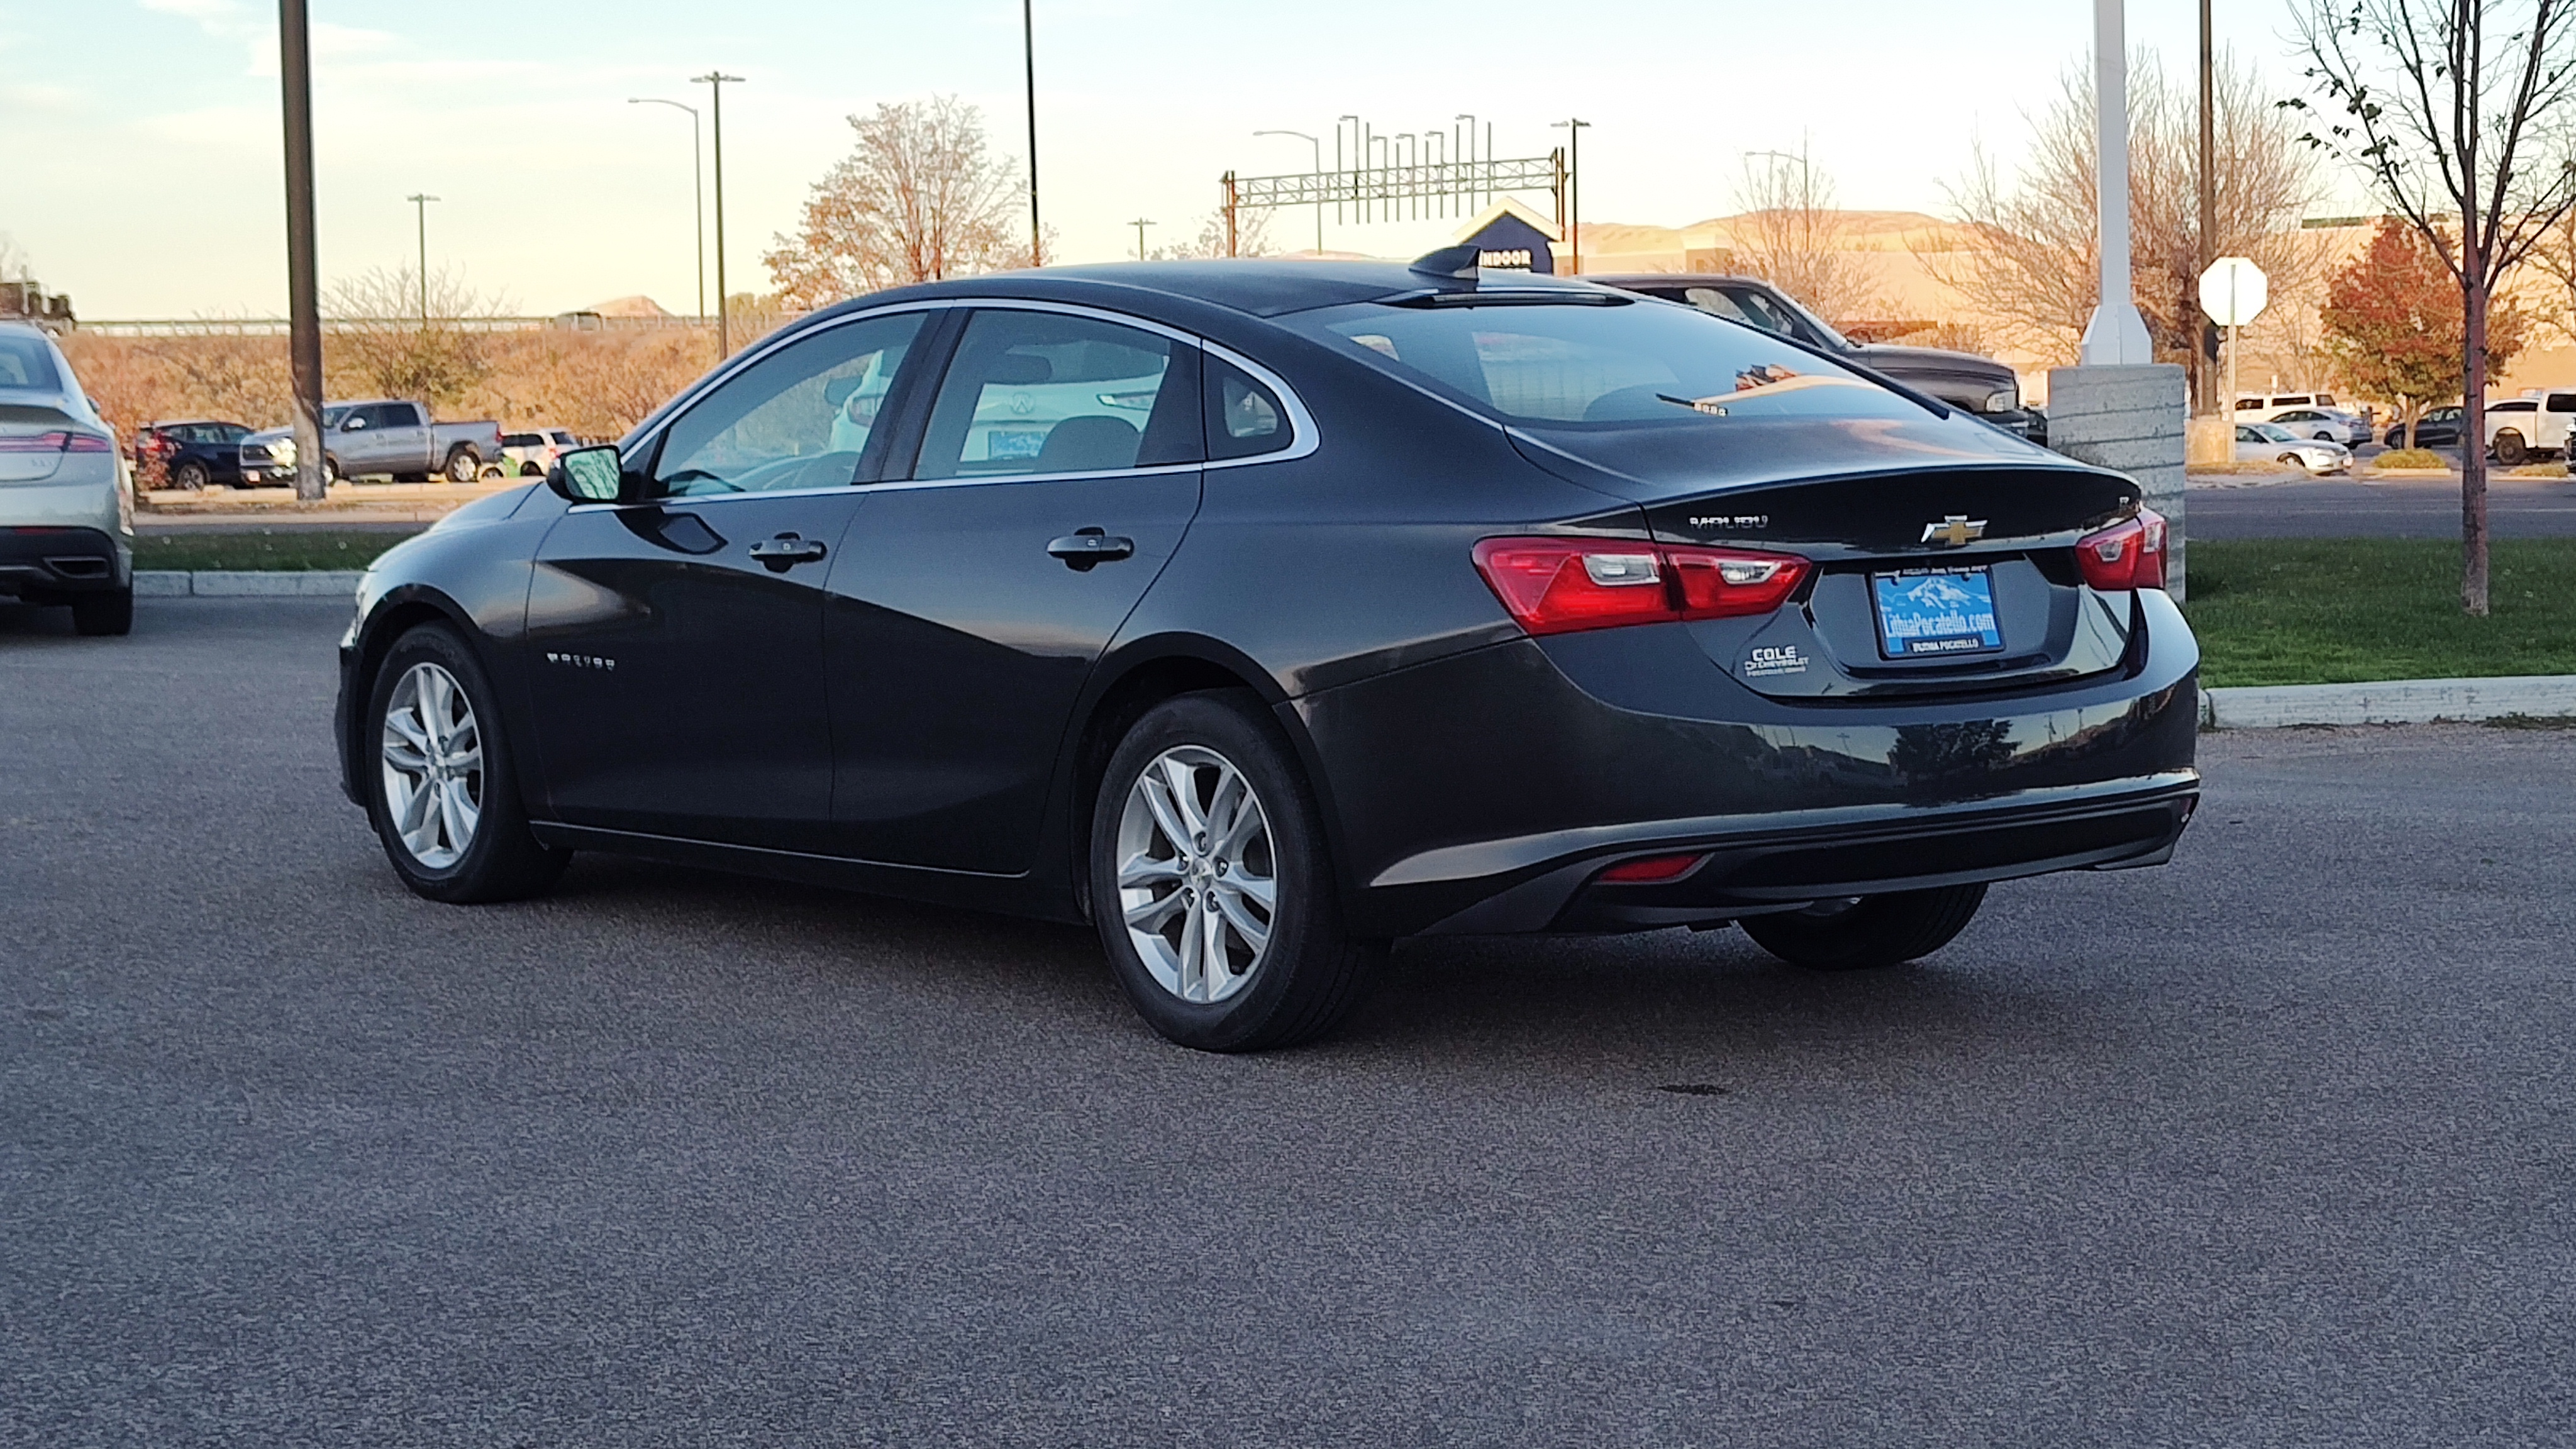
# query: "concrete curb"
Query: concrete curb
2389,701
246,584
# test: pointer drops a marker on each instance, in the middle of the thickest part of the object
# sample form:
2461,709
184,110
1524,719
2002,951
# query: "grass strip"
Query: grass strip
290,550
2351,610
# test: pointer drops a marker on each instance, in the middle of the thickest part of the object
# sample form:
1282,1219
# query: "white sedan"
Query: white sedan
2272,443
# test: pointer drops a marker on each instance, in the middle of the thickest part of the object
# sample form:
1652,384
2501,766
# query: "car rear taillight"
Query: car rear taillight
2128,555
1560,585
57,441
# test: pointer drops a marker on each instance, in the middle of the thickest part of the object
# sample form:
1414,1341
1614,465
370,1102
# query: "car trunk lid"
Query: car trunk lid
1942,563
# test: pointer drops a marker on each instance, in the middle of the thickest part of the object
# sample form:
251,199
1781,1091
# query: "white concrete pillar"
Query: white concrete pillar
2117,335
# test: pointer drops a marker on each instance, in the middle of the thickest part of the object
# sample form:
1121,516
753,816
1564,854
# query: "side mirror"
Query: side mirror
590,475
353,423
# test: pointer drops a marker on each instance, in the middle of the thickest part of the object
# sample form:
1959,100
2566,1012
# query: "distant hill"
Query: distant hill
638,305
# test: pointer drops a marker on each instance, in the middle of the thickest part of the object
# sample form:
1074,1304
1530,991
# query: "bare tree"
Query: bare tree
2030,259
2459,111
1788,232
14,266
920,197
1251,237
377,341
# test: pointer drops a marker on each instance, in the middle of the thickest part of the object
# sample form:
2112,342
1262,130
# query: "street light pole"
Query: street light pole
1140,224
420,207
1029,63
2116,335
303,281
715,81
698,182
1319,165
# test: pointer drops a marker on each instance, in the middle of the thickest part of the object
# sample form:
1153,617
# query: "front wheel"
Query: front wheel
1210,885
1864,932
442,794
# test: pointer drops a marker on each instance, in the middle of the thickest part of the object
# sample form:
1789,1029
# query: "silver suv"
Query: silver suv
66,499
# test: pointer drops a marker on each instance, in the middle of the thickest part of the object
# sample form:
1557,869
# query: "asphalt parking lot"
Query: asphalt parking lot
2272,1146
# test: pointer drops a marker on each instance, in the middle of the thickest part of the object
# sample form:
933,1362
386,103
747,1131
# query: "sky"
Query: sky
143,170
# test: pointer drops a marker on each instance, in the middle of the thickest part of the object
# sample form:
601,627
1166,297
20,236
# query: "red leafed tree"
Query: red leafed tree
2396,328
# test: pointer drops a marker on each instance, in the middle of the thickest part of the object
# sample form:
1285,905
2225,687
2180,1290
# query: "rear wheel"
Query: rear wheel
440,787
105,614
463,466
1210,885
189,476
2510,449
1863,932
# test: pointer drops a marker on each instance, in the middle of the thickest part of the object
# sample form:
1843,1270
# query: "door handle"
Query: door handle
1089,547
786,551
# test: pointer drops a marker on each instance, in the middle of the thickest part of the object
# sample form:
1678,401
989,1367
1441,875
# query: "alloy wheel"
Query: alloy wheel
433,766
1197,874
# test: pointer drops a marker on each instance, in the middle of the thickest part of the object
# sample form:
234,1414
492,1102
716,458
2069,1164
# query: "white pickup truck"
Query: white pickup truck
2533,425
384,437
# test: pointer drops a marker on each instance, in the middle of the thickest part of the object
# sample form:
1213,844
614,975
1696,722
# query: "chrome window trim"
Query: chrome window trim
1305,436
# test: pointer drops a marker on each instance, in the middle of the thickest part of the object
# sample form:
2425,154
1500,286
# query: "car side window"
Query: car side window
2247,435
401,415
1244,418
2562,402
1046,392
801,417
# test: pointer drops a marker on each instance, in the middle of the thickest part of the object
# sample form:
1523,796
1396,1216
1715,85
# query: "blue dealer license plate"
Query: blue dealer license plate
1935,611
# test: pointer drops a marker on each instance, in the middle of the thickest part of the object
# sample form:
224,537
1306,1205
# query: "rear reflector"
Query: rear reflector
1648,869
1559,585
2129,555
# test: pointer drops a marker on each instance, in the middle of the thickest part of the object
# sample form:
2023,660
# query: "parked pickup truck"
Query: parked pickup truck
2532,425
383,437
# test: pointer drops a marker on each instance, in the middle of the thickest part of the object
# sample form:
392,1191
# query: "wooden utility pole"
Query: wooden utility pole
303,276
715,82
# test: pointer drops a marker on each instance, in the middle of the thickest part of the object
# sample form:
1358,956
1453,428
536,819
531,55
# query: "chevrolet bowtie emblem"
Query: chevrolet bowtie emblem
1954,530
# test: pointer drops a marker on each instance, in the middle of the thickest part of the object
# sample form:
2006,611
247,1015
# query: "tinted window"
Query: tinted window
800,417
397,415
2247,435
27,362
1244,418
519,440
2562,402
1564,363
1043,392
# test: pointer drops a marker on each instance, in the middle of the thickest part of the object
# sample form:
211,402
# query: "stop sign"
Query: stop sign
2233,291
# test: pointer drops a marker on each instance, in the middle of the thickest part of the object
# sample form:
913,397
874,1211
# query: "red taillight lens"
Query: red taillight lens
1648,869
58,441
2128,555
1559,585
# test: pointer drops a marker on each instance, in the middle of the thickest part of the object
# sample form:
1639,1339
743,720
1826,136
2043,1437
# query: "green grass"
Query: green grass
2346,610
259,548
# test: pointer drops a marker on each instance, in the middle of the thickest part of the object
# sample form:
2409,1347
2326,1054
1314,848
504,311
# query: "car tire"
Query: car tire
531,470
331,473
2510,449
190,476
1211,757
101,615
433,737
2295,461
1868,932
463,466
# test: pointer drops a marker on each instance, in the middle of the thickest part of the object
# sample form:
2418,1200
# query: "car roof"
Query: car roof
1253,286
1631,280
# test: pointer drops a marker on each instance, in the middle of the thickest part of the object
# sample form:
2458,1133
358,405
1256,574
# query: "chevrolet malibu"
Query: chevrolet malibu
1261,614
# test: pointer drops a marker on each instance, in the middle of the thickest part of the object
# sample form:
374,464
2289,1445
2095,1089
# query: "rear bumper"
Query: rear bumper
2113,826
1485,792
48,562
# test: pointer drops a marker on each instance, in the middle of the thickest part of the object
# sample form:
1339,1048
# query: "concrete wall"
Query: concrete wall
2129,420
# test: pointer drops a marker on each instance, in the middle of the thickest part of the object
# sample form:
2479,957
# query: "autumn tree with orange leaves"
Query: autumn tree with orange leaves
2396,328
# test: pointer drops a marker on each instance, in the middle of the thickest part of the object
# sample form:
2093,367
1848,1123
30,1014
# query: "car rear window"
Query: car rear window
1625,363
27,362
